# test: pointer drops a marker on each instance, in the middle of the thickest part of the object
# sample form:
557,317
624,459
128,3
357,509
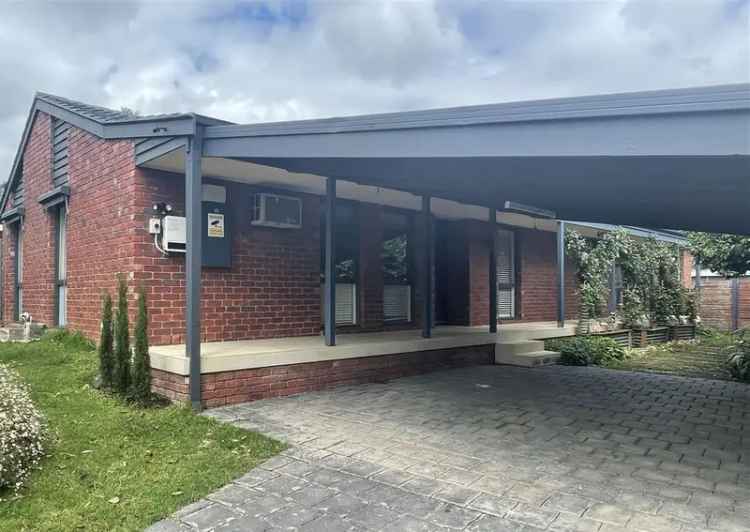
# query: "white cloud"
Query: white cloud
278,61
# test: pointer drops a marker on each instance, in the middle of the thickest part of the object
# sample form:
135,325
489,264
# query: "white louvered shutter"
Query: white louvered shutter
505,275
397,302
346,304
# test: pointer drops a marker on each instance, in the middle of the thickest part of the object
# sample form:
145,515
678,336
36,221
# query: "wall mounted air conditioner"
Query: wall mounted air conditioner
274,210
173,234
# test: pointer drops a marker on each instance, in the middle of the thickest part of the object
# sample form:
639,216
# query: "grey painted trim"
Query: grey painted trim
561,273
701,99
193,221
329,302
159,149
11,215
180,125
684,134
664,235
54,196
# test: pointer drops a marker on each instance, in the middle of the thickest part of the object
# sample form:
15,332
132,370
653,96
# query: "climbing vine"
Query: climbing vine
652,292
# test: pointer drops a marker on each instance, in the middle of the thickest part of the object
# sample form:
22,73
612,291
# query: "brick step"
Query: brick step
528,359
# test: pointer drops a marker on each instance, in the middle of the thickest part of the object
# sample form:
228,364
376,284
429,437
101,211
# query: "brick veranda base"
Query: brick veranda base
240,386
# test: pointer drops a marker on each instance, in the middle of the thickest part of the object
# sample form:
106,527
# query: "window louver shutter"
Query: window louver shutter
18,189
60,133
346,304
397,302
505,275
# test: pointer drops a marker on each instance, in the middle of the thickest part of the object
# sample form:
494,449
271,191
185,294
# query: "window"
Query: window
396,259
506,275
346,262
61,268
18,265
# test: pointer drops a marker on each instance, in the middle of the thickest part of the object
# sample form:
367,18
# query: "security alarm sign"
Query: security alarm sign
215,225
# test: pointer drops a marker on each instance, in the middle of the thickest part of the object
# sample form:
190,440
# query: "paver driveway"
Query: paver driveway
496,448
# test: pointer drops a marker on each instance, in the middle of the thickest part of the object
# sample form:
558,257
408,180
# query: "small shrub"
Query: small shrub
585,350
71,340
22,431
106,348
738,355
122,340
140,390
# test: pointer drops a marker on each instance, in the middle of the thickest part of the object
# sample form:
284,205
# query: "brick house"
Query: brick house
95,193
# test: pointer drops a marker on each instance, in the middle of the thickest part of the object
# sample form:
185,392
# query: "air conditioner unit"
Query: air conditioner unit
273,210
173,234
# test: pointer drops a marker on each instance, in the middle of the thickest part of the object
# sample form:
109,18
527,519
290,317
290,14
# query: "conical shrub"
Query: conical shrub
106,348
122,340
140,388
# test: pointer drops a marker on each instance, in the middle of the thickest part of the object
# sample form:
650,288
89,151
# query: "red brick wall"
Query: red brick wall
38,230
370,280
99,221
248,385
536,276
271,290
100,225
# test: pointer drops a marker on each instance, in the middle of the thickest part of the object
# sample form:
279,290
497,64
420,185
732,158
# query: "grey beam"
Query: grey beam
193,222
329,324
561,273
429,262
493,271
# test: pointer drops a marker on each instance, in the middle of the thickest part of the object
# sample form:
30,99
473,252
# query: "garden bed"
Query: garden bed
111,466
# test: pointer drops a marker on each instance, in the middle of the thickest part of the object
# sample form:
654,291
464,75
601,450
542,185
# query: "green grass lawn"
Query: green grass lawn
111,466
700,358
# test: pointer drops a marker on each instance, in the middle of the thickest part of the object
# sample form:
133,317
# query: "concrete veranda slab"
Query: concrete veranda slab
496,448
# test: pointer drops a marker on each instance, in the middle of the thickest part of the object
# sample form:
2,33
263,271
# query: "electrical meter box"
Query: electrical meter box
217,238
173,234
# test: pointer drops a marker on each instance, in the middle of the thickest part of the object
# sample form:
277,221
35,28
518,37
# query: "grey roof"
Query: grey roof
104,115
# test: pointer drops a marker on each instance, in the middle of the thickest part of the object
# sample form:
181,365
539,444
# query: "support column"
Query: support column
329,301
560,273
493,271
193,228
429,261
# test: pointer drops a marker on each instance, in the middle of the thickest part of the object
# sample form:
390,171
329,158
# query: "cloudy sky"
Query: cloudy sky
279,60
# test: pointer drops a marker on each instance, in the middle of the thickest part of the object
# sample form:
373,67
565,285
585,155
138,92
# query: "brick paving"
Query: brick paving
495,448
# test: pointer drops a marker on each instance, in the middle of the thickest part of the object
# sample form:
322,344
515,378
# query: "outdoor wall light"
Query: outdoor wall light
162,208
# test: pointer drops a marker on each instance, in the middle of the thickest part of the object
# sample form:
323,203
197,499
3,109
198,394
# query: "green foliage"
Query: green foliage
728,255
650,276
738,355
395,260
140,388
585,350
70,339
153,460
106,346
122,340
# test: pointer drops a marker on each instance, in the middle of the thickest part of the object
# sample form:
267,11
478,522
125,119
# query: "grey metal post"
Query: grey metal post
193,227
560,273
329,319
429,257
735,304
493,271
